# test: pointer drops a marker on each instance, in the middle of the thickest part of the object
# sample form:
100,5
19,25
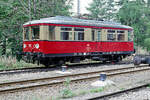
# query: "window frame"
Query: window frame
63,30
79,34
32,33
52,33
131,36
121,32
113,33
25,29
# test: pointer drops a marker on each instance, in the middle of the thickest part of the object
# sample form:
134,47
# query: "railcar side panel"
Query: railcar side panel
60,47
117,46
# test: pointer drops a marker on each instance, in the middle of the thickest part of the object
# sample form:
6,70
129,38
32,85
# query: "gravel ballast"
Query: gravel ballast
143,94
47,93
24,76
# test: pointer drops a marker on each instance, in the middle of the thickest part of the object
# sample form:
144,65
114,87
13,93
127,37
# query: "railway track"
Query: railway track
119,92
46,69
21,85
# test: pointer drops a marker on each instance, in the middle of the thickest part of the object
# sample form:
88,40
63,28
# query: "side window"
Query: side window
111,35
93,35
51,32
78,33
121,35
98,35
66,33
26,33
35,32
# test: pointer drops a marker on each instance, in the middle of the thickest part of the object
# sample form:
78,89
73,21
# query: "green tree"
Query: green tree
133,13
96,9
147,43
14,13
110,10
102,9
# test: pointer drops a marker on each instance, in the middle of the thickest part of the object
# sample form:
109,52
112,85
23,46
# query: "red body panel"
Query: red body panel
60,47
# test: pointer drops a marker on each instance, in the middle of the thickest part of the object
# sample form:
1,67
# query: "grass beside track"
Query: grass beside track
7,63
10,63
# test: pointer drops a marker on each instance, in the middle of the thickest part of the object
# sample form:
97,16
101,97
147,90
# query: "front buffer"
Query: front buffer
141,59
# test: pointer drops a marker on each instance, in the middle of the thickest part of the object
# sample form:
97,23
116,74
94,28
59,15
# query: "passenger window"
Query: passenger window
93,35
66,33
121,35
35,32
79,34
51,32
26,33
111,35
98,35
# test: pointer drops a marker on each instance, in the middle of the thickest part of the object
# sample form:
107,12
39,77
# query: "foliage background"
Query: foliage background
13,13
135,13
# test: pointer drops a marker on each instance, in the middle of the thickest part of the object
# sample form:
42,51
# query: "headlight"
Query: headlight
37,46
24,45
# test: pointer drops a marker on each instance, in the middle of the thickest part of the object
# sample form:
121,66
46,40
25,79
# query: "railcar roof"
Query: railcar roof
76,21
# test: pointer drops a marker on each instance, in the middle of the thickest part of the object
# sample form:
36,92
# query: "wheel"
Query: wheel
118,59
104,61
45,63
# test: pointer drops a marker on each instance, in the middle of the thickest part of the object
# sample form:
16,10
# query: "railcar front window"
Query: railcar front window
130,35
66,33
111,35
26,33
35,32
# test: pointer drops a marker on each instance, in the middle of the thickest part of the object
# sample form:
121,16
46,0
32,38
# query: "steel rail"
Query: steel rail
118,92
60,81
64,76
45,69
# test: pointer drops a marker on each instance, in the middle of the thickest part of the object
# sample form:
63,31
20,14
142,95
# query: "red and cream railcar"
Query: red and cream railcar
59,39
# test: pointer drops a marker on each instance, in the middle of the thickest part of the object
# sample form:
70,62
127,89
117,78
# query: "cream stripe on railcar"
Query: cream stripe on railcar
57,33
73,33
87,34
126,35
44,32
104,35
30,33
116,35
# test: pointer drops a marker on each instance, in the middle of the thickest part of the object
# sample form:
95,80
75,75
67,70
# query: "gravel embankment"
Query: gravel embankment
47,93
143,94
122,82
